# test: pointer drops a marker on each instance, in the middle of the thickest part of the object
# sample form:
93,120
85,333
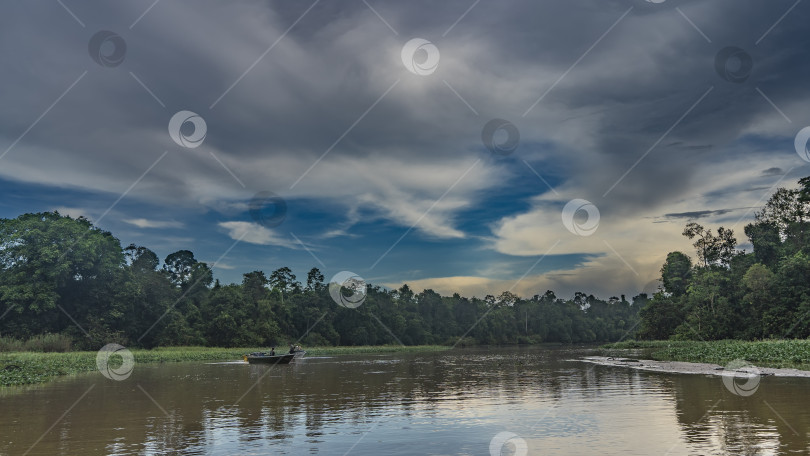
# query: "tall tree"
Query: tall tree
314,279
765,238
254,285
676,272
283,279
785,208
712,249
178,265
141,259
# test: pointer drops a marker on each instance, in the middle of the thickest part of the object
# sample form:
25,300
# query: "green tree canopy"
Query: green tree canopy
49,261
676,272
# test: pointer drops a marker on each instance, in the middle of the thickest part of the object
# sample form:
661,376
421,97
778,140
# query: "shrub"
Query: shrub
49,343
9,344
40,343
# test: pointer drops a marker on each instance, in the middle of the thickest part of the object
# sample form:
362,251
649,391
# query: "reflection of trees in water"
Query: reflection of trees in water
710,414
299,404
739,432
357,390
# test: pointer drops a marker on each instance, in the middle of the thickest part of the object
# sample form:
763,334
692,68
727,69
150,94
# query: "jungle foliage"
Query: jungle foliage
730,294
64,276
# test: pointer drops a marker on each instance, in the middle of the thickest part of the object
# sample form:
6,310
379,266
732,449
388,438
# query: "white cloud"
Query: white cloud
254,233
603,276
146,223
630,244
390,187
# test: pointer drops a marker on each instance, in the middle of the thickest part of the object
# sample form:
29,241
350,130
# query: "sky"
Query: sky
473,146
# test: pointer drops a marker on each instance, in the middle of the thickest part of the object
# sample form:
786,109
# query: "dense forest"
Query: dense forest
63,276
730,294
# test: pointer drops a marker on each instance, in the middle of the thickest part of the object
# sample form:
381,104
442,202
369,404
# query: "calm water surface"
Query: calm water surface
449,403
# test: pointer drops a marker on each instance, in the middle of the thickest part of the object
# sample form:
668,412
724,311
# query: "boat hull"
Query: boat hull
267,359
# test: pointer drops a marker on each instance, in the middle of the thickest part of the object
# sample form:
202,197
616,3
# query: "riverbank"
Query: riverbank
769,353
26,368
682,367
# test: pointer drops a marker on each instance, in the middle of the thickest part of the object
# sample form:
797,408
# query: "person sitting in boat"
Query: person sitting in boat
273,351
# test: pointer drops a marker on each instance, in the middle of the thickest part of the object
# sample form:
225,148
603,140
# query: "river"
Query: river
534,401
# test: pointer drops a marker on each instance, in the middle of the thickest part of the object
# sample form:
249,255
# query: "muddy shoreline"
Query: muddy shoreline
680,367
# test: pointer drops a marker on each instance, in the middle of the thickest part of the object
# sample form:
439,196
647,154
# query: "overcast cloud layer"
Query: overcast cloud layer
383,171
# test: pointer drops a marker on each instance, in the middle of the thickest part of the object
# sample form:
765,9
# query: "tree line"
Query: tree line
730,294
60,275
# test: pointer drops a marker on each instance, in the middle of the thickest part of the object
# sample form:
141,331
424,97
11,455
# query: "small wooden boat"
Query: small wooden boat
266,358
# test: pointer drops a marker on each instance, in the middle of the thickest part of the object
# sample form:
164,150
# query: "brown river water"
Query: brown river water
523,401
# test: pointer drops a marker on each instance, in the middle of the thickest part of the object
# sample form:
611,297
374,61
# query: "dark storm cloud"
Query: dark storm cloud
307,91
697,214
